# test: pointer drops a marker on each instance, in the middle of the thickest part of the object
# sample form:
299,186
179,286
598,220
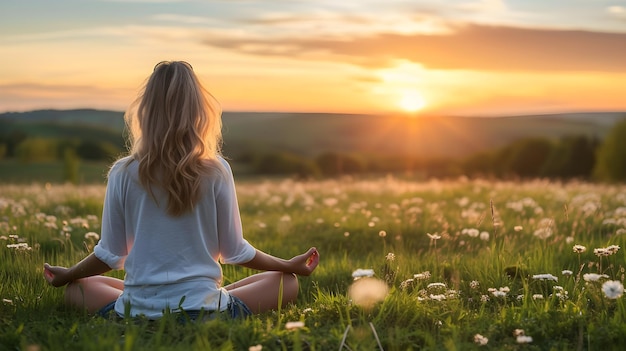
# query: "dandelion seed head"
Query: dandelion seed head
613,289
92,235
484,236
366,292
382,233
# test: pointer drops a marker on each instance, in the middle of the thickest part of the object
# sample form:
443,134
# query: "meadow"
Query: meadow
405,265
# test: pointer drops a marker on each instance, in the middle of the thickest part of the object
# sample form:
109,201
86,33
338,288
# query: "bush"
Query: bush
611,162
284,163
333,164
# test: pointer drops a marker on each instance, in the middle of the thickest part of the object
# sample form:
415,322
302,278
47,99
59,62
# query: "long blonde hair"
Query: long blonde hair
175,128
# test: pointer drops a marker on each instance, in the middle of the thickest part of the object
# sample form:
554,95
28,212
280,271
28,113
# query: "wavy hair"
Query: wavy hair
175,128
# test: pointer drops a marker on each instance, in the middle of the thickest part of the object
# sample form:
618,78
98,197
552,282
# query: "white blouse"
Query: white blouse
171,263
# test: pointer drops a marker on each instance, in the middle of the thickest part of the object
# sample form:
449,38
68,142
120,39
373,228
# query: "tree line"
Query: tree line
570,157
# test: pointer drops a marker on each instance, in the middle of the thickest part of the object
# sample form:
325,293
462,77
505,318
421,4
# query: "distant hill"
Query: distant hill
310,134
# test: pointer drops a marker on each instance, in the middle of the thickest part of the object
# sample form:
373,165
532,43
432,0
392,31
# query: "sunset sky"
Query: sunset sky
489,57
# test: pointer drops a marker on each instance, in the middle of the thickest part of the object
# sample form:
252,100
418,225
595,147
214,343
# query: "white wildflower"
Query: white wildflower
294,325
593,277
434,236
422,276
545,276
360,273
480,340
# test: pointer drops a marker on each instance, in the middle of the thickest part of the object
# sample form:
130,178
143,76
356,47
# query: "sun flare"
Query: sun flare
412,101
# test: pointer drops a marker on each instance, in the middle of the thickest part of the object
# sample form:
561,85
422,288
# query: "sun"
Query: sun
412,101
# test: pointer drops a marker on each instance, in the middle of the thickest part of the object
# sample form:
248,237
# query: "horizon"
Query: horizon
463,58
402,114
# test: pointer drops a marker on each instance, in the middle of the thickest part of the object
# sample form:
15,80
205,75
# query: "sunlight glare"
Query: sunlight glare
412,101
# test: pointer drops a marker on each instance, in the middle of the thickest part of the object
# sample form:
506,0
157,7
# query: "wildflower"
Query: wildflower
613,289
434,236
294,325
257,347
474,284
422,276
593,277
579,249
524,339
601,252
502,292
545,277
306,310
405,284
472,232
360,273
484,236
537,297
390,257
613,249
518,228
484,298
543,233
518,332
480,340
19,247
436,285
92,235
438,297
498,293
567,272
7,301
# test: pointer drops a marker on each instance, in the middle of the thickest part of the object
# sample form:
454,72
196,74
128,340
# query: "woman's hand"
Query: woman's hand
306,263
56,275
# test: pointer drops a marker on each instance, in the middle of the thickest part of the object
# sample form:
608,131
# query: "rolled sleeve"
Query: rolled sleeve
112,260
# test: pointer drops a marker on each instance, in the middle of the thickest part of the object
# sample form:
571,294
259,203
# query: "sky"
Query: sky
456,57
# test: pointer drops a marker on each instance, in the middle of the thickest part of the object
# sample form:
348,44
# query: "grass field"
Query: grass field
454,265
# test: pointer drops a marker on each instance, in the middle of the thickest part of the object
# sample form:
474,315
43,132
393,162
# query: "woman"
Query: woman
171,216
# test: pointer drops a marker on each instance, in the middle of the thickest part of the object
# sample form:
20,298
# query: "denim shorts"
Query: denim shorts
235,309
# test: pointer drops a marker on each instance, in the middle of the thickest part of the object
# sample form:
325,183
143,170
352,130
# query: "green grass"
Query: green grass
13,171
355,224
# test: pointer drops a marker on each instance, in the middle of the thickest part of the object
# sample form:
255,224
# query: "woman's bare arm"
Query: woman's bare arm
303,264
89,266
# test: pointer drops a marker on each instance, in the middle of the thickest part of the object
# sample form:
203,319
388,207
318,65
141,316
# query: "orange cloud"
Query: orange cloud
468,47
